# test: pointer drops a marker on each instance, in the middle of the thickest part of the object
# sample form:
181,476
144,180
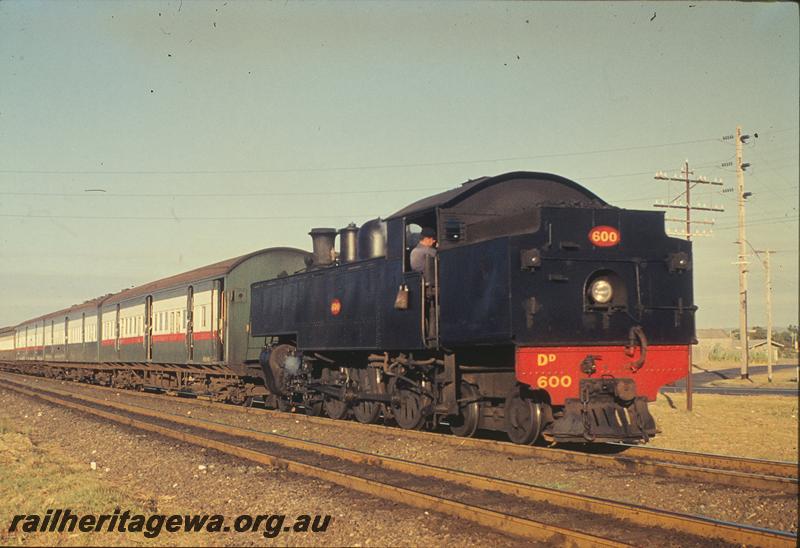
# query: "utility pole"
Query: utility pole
687,233
769,317
742,258
768,287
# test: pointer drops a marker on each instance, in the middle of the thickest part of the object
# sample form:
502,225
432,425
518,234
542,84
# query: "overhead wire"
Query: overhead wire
350,168
309,193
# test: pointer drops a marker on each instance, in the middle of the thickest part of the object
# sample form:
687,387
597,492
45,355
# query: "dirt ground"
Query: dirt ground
762,427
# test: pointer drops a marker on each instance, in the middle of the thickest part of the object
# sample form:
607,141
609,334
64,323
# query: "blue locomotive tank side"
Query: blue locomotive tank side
347,307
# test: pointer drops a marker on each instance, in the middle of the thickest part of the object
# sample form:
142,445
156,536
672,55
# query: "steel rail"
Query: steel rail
707,460
499,521
725,470
640,515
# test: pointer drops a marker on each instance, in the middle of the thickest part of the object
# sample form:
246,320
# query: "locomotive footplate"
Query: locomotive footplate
608,410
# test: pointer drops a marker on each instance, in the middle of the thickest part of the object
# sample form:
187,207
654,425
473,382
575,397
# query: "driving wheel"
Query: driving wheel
366,411
465,424
523,418
409,405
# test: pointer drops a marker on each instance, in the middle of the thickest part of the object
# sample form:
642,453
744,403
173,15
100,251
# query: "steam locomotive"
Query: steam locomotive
545,313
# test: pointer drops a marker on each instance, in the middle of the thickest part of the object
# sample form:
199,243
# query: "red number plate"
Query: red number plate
604,236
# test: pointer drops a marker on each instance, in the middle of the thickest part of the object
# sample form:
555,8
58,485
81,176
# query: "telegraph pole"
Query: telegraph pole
687,207
769,317
768,287
742,258
687,233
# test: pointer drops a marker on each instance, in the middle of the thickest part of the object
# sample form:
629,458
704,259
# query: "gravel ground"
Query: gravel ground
767,510
168,478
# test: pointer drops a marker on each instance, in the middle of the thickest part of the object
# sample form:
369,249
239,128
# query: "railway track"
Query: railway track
780,477
453,492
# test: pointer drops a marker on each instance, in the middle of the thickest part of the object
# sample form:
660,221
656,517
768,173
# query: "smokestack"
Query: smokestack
323,239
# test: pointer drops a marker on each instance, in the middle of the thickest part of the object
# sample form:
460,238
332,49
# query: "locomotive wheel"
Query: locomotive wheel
335,409
313,409
523,418
408,405
466,423
367,412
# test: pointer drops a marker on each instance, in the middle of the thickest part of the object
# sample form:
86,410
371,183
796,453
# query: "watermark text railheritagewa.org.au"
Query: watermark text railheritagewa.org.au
151,526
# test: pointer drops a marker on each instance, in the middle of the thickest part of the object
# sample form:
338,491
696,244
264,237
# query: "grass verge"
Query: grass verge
761,427
35,478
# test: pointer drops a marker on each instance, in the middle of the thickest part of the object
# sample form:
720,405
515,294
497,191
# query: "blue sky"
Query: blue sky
218,128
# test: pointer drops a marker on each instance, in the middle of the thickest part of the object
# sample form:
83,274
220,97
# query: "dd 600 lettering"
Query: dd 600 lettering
554,381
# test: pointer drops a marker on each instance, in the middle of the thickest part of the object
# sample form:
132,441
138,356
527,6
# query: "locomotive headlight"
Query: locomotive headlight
601,291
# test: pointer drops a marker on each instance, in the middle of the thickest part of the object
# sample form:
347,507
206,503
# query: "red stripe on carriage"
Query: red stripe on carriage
181,337
170,337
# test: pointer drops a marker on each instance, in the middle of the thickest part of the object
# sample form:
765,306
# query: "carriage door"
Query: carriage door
66,339
148,327
218,302
116,332
190,322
